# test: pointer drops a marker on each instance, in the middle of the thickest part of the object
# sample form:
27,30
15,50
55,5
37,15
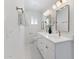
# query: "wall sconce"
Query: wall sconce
19,9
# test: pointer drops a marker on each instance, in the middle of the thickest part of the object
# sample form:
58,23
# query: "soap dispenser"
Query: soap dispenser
50,30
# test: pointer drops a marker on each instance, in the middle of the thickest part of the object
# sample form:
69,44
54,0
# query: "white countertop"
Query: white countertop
55,38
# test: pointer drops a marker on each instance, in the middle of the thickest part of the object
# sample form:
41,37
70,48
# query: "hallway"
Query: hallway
28,51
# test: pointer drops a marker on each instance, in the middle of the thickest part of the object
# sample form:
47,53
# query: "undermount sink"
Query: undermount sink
55,37
53,34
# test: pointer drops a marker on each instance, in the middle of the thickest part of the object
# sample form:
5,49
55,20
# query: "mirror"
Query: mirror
46,23
62,19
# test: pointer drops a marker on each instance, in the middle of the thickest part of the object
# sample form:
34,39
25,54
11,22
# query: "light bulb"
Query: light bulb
54,6
58,3
64,1
47,13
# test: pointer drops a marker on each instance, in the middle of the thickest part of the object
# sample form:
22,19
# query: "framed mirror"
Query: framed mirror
62,19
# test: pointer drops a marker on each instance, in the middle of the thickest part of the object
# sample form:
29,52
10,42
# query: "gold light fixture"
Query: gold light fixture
61,1
58,3
65,1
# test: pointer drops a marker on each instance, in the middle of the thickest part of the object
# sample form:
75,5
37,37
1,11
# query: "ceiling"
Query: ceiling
38,5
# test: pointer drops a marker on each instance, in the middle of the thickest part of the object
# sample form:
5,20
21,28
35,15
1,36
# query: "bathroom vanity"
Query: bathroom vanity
52,46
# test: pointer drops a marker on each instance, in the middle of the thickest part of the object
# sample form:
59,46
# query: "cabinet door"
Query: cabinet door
64,50
41,43
50,50
42,47
47,48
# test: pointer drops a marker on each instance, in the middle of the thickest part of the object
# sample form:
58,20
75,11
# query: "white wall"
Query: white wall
32,28
37,16
20,3
12,37
72,16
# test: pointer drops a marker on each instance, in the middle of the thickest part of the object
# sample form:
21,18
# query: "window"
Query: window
34,20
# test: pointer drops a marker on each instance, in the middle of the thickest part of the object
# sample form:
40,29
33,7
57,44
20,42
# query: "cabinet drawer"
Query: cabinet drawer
48,49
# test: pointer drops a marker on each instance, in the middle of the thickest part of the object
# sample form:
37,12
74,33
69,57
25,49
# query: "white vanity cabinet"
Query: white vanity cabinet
46,48
55,50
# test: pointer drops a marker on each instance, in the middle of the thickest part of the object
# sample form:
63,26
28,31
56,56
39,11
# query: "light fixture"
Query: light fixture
54,6
58,3
47,13
20,10
61,1
64,1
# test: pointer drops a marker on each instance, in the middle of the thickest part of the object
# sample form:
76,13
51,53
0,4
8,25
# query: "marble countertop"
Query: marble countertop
55,37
